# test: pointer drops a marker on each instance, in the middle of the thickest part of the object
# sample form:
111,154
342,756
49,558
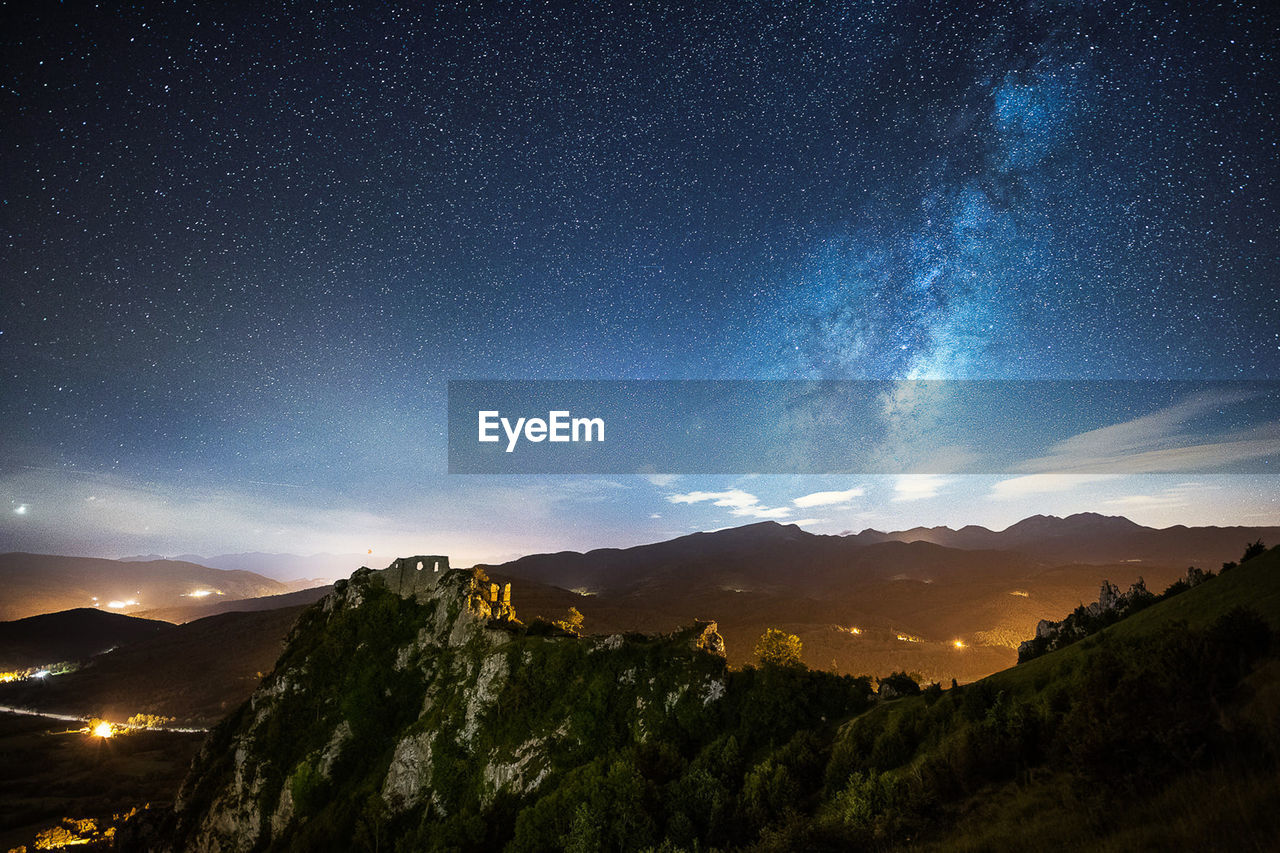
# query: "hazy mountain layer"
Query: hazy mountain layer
41,583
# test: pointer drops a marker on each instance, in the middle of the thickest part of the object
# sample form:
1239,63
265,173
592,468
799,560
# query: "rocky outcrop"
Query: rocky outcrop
1112,605
414,692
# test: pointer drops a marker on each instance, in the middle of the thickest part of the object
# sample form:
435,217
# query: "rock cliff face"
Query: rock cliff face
403,700
1111,606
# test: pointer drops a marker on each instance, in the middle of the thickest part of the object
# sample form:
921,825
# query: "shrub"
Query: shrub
900,684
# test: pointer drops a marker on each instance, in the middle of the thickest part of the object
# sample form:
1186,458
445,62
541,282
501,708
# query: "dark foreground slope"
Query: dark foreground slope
421,723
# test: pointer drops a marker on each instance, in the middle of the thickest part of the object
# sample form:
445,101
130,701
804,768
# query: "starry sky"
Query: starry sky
245,246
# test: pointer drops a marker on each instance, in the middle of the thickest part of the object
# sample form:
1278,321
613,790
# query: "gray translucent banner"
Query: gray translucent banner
868,427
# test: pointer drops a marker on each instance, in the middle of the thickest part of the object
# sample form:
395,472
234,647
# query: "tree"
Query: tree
148,721
778,648
571,623
1254,549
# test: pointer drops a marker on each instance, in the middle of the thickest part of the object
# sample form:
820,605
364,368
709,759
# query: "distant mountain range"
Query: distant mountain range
769,555
1088,537
313,569
911,594
1081,538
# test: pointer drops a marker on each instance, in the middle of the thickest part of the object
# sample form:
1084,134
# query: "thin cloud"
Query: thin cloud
1131,502
739,503
914,487
828,498
761,512
1183,494
729,498
1039,484
1162,442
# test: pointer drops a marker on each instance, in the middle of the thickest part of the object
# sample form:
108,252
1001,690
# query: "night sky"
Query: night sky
245,248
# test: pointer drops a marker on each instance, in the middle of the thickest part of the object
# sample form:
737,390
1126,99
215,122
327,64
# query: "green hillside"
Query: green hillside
1254,585
1159,732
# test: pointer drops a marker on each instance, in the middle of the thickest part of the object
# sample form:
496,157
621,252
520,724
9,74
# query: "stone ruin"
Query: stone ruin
418,577
498,597
407,575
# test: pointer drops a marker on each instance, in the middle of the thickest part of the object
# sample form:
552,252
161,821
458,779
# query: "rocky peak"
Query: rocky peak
414,690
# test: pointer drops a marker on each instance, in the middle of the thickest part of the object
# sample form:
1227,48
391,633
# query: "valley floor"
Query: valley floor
50,771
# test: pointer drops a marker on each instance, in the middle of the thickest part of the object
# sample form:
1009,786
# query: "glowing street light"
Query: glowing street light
102,729
959,644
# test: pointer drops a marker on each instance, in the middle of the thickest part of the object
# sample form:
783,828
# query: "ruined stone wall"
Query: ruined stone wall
406,576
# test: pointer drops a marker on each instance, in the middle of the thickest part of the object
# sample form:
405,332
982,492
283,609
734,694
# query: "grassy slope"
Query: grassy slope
1217,807
1255,584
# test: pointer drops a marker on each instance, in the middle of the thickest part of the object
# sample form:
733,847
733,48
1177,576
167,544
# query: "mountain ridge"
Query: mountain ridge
69,635
1085,538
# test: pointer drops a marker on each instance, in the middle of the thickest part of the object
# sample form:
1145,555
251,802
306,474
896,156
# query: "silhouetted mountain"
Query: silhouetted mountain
194,672
734,554
1089,537
781,557
71,635
43,583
